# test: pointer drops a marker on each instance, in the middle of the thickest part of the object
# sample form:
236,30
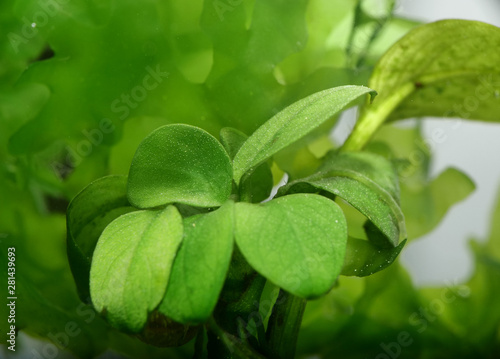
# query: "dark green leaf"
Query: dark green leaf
131,265
293,123
363,258
88,214
182,164
297,241
200,266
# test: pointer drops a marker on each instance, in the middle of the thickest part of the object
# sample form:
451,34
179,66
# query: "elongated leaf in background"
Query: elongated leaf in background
200,267
297,242
425,206
181,164
293,123
131,265
449,68
88,214
367,182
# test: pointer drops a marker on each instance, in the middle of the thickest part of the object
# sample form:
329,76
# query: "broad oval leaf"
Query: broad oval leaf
367,182
88,214
200,266
179,164
293,123
363,258
298,242
449,68
132,264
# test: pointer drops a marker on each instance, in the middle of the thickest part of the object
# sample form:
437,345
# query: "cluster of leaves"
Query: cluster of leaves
233,65
167,235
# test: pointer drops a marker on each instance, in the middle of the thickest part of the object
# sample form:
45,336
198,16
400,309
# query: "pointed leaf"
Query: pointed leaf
293,123
132,264
298,242
88,214
200,266
182,164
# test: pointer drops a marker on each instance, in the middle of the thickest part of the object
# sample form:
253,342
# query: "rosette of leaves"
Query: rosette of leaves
160,242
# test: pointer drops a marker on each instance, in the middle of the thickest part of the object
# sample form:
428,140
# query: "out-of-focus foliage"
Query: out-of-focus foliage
83,82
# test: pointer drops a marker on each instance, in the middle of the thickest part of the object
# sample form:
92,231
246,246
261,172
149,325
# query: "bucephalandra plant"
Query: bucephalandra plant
186,243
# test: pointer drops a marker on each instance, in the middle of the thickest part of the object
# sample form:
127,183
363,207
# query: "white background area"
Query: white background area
443,256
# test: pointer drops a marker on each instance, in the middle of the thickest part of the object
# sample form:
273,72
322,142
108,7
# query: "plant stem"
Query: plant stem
373,117
284,325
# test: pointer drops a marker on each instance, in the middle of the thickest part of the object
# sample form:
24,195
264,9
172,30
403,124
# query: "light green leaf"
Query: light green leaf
298,242
425,207
88,214
363,258
200,266
132,264
449,68
293,123
182,164
367,182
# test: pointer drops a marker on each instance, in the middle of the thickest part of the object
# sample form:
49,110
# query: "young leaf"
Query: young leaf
293,123
182,164
368,183
363,258
88,214
449,68
132,264
200,266
298,242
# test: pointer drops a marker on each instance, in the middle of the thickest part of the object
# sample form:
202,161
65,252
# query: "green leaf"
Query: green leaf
363,258
256,186
449,68
131,265
425,206
293,123
88,214
200,266
182,164
297,241
367,182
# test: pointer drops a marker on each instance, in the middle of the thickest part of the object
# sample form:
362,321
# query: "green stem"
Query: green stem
234,346
284,325
373,117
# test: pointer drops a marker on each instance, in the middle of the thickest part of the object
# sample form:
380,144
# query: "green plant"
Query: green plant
176,247
189,197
